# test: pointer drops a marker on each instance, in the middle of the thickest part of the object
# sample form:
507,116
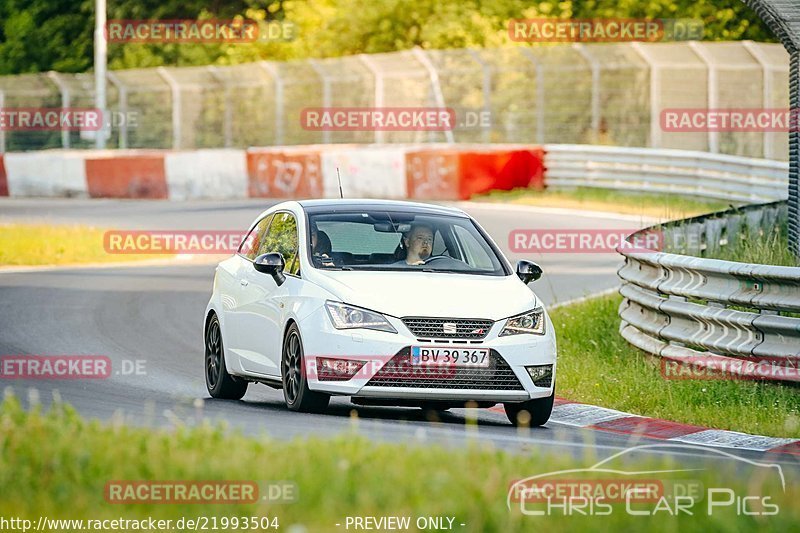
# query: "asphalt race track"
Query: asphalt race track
154,314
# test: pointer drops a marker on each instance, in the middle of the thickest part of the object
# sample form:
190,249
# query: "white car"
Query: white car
388,302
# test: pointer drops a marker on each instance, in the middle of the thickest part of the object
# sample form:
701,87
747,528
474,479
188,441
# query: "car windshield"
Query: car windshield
400,241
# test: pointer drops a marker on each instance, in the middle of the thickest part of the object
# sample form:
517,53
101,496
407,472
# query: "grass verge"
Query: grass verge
56,465
667,206
597,366
32,245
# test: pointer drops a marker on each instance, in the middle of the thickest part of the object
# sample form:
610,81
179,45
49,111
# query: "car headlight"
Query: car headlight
530,322
345,316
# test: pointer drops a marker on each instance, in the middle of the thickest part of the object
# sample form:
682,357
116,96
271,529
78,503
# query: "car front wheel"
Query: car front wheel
532,413
296,393
219,383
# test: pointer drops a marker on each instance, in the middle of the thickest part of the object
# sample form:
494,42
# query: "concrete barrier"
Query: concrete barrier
139,175
46,173
284,173
212,173
371,172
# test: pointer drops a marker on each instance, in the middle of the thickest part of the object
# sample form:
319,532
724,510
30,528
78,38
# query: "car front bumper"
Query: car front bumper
379,348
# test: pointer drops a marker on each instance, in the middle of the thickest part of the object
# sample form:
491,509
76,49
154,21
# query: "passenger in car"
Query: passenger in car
418,242
321,247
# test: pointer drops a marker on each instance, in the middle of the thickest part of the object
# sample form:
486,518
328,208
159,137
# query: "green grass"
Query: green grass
31,244
666,206
597,366
769,249
56,465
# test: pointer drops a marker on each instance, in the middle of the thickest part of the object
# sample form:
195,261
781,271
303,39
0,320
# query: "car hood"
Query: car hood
402,294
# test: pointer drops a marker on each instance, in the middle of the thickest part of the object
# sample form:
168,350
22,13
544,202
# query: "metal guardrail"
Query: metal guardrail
711,312
692,308
733,178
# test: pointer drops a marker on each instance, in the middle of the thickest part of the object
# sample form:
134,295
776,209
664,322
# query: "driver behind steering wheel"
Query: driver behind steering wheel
418,242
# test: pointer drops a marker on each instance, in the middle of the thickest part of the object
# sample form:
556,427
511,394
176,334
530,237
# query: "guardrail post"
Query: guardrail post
176,106
65,98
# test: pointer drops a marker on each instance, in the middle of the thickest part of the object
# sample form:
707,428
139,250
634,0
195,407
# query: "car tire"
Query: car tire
296,394
219,382
538,411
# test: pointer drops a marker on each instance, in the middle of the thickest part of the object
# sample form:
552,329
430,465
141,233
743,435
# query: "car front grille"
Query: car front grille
399,372
448,328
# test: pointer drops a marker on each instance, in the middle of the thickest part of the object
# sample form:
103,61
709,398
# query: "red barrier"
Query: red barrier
127,176
284,174
3,178
450,174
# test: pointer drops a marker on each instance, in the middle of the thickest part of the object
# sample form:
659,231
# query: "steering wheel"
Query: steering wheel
433,258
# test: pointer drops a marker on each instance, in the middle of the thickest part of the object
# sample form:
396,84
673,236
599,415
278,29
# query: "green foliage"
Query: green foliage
40,35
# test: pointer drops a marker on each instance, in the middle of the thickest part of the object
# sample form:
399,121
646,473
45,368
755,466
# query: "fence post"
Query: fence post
486,86
227,117
594,65
713,90
176,106
65,98
122,91
540,93
2,130
766,93
272,70
378,77
655,101
326,94
435,85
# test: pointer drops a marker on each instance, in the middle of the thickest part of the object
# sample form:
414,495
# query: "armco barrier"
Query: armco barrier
135,175
739,179
685,308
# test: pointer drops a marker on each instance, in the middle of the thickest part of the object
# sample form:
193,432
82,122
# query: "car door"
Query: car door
232,278
264,303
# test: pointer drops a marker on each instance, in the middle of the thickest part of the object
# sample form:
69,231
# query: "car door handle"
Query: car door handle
244,282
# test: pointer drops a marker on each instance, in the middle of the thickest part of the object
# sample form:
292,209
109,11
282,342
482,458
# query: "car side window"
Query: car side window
282,238
252,243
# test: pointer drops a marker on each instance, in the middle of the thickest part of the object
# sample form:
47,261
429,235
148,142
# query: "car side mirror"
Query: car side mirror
272,264
528,271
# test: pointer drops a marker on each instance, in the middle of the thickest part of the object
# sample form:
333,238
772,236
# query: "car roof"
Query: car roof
331,204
